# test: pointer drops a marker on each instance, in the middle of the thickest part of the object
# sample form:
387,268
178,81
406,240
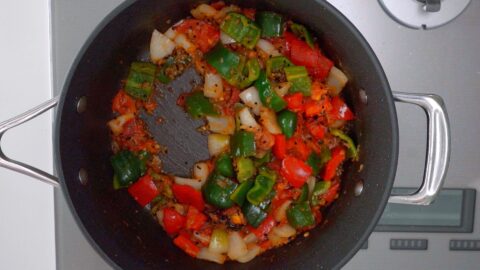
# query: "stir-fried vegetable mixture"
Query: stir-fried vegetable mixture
277,125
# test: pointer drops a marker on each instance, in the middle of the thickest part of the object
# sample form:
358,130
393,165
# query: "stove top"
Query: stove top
444,60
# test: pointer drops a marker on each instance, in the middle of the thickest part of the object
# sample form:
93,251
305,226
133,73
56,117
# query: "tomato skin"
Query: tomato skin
294,101
295,171
202,34
280,146
340,110
188,195
144,190
338,156
173,222
123,103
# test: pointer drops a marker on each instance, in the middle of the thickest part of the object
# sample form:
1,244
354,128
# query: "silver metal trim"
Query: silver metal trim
438,148
20,167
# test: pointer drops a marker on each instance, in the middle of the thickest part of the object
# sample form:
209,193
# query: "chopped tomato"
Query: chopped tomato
294,101
181,99
303,55
173,222
318,91
195,219
280,146
123,103
330,170
218,5
188,195
340,110
186,245
313,108
295,171
332,193
296,147
203,34
317,130
144,190
264,228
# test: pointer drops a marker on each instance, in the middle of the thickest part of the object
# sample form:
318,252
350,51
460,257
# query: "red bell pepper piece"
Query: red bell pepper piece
338,156
294,102
302,54
340,110
186,245
295,171
195,219
280,146
173,222
203,34
144,190
264,228
188,195
331,194
317,130
123,103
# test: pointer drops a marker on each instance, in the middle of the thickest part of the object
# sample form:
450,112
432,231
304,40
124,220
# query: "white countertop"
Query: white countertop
27,233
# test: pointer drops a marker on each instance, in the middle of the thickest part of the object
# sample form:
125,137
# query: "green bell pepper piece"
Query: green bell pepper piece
197,105
242,144
300,215
254,214
224,61
239,195
277,63
127,168
224,165
140,80
287,120
352,149
298,77
249,74
269,97
303,195
320,188
271,23
263,187
217,191
314,161
245,169
302,32
241,29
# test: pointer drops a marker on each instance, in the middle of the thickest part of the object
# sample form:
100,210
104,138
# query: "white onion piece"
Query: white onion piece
160,46
206,254
311,185
250,238
226,39
336,81
221,124
116,125
236,246
267,47
171,34
200,171
275,239
160,216
194,183
251,98
268,118
218,143
284,230
252,253
281,212
282,88
203,11
213,86
247,121
218,241
182,41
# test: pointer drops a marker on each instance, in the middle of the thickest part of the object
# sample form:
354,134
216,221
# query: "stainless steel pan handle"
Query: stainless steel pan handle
438,148
19,166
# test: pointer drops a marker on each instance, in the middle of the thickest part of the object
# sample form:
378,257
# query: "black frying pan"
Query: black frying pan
127,236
